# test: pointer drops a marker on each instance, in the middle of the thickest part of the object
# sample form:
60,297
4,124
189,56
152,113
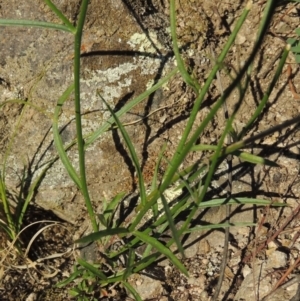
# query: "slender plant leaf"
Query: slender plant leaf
103,220
240,154
76,274
132,153
172,225
95,271
130,288
129,264
74,292
30,195
196,172
154,184
58,141
254,159
60,15
77,110
31,23
111,207
6,208
238,201
185,75
162,249
6,229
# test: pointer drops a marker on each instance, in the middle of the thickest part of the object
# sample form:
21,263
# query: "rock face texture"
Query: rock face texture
120,60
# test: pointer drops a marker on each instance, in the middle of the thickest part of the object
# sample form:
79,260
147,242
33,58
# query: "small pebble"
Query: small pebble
277,260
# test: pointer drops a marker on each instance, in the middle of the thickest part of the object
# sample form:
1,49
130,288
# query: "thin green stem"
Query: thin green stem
7,211
204,90
31,23
80,140
60,15
185,75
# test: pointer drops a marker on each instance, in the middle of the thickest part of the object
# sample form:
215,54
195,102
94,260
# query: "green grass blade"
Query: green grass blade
32,190
58,141
77,110
129,264
6,208
60,15
238,201
202,94
248,141
240,154
134,293
162,249
156,170
194,172
31,23
8,231
132,151
172,225
111,207
95,271
75,275
254,159
154,184
185,75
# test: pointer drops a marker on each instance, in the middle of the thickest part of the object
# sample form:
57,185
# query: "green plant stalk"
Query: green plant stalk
154,184
214,162
29,197
267,15
131,289
132,153
183,147
179,207
225,96
80,141
182,150
267,93
58,141
9,217
60,15
185,75
183,204
261,32
204,90
195,136
218,154
149,240
171,224
176,162
31,23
